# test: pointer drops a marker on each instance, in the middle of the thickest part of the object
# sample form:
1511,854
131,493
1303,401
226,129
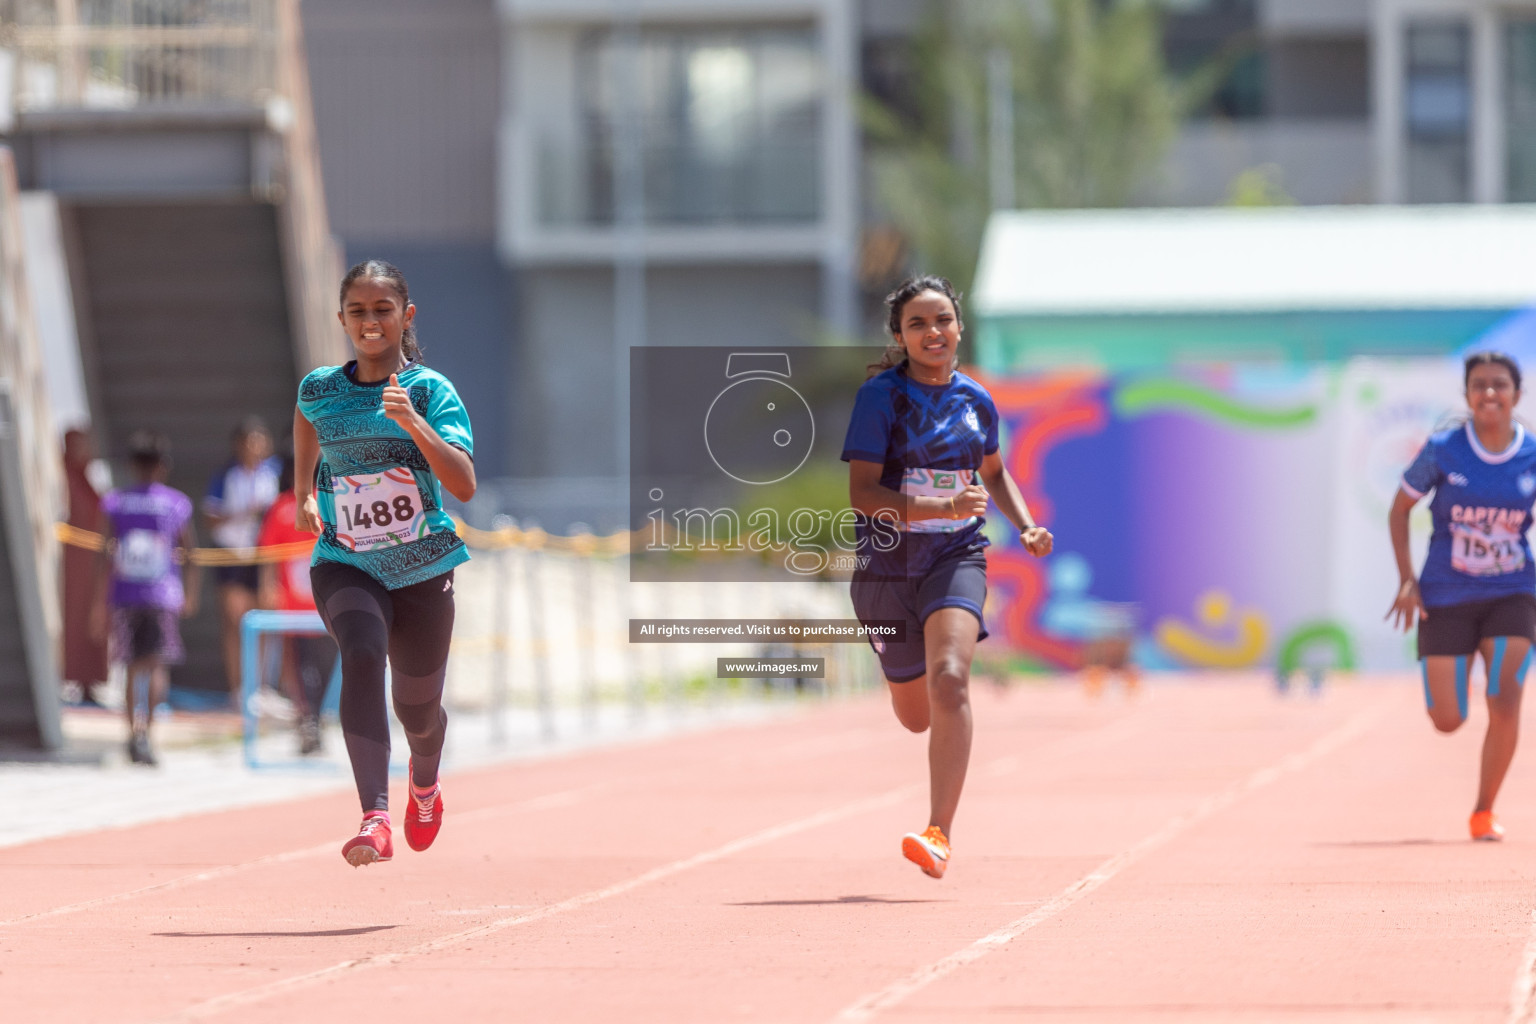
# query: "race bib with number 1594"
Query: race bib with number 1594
378,510
1492,551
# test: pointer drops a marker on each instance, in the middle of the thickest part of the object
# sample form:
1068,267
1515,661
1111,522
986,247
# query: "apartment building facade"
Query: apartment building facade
406,99
1455,82
570,178
1350,101
673,172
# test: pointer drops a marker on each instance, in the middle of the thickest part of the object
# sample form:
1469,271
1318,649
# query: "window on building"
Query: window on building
1520,110
1318,78
729,126
1198,33
1439,112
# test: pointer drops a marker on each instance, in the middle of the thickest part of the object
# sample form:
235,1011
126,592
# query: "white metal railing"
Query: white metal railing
542,644
777,182
543,626
106,54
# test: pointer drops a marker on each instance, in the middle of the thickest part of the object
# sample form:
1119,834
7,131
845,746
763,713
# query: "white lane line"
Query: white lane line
1116,729
199,781
234,1000
1522,996
171,883
866,1008
549,801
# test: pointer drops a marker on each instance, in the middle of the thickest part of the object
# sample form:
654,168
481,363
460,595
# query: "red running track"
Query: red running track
1208,852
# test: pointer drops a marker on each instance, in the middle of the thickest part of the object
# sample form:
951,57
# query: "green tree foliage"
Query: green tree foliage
1259,186
1094,106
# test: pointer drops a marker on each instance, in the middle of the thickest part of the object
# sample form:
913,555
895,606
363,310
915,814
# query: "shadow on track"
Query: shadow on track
1376,843
829,903
331,933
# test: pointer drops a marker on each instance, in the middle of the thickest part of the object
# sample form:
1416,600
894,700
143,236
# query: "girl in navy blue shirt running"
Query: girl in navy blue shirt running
1477,592
923,459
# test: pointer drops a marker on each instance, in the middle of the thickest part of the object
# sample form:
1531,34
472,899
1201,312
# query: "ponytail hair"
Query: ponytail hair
383,270
895,352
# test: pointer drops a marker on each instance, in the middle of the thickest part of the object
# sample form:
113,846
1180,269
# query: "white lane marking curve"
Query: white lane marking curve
869,1006
548,801
1522,995
246,997
1000,766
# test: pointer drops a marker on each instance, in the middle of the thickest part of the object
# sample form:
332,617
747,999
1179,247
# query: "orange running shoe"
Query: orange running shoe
929,851
1485,827
372,842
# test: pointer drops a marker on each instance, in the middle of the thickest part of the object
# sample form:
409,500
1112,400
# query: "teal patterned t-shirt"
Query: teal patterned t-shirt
379,499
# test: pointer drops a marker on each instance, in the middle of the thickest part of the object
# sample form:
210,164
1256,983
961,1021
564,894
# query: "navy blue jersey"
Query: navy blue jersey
1481,510
928,439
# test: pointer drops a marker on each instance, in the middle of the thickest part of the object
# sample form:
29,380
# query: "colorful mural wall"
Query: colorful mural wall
1218,516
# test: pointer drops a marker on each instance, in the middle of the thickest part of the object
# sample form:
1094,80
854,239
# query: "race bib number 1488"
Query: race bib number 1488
377,510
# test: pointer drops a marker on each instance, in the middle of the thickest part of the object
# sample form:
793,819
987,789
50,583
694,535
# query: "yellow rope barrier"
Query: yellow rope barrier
585,545
269,555
75,537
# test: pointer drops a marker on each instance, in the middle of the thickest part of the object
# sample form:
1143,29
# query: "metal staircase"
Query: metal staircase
179,139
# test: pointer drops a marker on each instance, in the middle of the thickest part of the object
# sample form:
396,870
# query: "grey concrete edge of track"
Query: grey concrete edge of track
83,798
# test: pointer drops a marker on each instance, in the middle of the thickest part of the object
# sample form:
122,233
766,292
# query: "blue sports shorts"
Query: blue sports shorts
956,581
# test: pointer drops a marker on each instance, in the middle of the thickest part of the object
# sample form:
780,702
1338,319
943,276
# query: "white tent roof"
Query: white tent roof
1253,260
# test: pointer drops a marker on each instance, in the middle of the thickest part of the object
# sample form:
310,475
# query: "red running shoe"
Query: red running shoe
372,842
425,815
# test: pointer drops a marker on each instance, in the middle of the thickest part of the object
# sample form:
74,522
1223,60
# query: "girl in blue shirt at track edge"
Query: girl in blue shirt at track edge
375,443
1477,592
923,459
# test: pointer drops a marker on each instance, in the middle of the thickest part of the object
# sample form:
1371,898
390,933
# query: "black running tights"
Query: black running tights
411,627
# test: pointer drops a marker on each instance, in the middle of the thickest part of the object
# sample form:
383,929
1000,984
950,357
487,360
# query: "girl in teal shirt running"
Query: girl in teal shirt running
376,442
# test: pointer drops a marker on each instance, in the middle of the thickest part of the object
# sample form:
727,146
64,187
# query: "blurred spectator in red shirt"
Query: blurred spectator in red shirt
285,586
